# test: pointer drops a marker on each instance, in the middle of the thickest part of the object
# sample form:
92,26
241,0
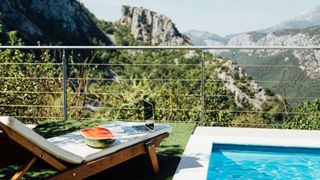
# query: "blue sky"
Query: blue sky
222,17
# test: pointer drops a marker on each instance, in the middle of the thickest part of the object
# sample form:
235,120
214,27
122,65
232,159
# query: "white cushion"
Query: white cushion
73,141
38,140
72,149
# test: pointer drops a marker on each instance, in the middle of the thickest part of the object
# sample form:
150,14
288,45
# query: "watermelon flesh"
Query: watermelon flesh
97,133
97,137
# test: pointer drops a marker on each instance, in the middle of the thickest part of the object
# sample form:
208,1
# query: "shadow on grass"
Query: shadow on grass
170,150
140,168
33,173
136,168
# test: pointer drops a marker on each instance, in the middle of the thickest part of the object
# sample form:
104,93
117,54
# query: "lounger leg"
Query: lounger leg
24,169
151,151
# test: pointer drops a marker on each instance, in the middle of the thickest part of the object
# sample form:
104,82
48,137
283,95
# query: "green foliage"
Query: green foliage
21,81
249,120
218,105
275,113
155,83
106,27
305,116
124,37
245,88
269,92
166,78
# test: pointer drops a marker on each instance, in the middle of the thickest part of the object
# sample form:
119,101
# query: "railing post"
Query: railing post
202,89
65,86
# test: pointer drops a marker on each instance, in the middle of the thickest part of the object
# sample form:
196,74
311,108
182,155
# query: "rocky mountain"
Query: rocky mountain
305,20
289,73
245,89
292,73
51,22
203,38
151,27
309,61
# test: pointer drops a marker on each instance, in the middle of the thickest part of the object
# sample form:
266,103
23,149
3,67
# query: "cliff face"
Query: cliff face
151,27
245,89
309,61
51,22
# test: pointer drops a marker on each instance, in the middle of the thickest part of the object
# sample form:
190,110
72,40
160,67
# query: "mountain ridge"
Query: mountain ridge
302,67
64,22
305,20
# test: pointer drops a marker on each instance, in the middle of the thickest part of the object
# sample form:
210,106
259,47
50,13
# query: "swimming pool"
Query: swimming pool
230,161
195,161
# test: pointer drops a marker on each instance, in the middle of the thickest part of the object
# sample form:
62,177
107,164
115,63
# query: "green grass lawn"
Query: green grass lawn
169,153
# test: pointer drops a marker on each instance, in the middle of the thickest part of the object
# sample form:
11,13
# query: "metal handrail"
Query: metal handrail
167,47
65,62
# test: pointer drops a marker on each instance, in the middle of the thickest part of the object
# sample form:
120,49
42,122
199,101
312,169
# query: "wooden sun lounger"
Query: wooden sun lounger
18,144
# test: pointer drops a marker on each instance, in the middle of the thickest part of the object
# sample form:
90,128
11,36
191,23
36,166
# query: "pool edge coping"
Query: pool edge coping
195,159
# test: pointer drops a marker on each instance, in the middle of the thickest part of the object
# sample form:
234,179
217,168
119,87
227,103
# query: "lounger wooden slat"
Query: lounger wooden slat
24,169
91,168
32,148
151,151
11,152
17,148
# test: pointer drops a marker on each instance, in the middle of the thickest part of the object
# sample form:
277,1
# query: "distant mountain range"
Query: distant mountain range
300,31
303,66
309,62
305,20
203,38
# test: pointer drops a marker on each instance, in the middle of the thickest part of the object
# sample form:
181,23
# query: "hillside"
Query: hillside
64,22
308,61
162,31
298,69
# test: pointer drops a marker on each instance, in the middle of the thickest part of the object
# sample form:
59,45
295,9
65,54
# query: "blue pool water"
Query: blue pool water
263,162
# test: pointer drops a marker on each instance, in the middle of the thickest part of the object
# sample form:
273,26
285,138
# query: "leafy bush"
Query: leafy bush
305,116
24,86
269,92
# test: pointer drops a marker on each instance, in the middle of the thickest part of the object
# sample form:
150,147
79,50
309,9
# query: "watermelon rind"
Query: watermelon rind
97,142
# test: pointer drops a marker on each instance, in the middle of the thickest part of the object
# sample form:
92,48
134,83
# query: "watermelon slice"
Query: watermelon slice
97,137
97,133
